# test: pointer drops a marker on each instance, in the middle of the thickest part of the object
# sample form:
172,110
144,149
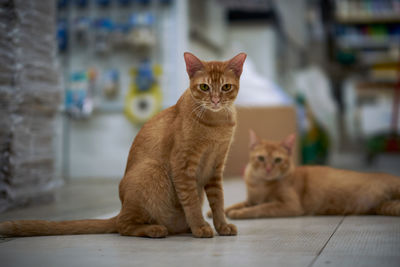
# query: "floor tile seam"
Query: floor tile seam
327,241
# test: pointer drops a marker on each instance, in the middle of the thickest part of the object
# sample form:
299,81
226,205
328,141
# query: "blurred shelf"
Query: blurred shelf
372,58
368,42
376,84
368,19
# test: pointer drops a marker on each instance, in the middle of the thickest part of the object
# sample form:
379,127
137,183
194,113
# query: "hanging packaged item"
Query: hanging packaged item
62,35
144,96
120,35
144,2
124,3
103,3
111,84
102,41
62,5
165,2
81,30
81,3
142,33
79,98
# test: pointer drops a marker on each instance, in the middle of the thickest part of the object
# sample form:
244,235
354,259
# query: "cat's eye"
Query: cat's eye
204,87
226,87
261,158
278,160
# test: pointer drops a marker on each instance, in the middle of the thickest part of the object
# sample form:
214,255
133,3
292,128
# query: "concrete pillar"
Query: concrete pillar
30,95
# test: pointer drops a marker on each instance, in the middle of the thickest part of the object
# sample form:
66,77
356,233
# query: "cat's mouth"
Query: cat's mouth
269,175
262,177
215,107
271,178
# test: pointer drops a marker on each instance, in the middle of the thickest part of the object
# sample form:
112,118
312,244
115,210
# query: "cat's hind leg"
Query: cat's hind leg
138,192
389,208
150,207
133,221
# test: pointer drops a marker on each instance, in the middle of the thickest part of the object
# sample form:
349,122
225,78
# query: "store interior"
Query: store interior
335,64
79,78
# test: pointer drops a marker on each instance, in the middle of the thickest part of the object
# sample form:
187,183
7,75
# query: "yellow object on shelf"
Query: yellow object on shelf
144,98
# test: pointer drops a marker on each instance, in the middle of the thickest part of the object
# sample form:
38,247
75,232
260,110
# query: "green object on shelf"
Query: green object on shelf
315,146
376,144
315,141
383,143
345,57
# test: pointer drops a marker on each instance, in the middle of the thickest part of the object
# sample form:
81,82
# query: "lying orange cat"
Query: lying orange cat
276,188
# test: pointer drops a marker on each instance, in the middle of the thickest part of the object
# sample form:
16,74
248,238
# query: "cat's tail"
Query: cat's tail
41,228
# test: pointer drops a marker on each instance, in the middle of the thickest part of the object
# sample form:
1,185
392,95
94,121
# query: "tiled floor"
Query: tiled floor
306,241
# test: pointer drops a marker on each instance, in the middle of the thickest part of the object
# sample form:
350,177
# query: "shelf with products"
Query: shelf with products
368,43
118,60
366,39
100,42
366,19
367,11
362,29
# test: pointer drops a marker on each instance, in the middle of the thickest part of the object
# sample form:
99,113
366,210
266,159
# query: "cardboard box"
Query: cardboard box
273,123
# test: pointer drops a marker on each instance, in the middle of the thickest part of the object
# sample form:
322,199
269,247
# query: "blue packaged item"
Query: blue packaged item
103,3
143,2
81,3
142,19
124,2
144,77
61,4
165,2
62,35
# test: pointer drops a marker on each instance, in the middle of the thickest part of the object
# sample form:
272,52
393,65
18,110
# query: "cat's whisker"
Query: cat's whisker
227,113
197,108
202,112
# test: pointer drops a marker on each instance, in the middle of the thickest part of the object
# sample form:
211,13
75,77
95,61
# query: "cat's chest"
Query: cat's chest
208,148
211,155
259,194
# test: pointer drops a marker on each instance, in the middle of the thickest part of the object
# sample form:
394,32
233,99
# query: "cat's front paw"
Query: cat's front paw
234,214
203,231
227,229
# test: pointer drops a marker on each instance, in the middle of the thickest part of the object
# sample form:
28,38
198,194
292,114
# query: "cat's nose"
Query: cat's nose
268,168
215,100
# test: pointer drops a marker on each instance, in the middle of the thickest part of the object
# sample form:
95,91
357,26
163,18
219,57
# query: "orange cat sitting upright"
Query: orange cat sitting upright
176,156
276,188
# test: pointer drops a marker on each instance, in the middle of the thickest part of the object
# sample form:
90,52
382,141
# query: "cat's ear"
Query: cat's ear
254,140
193,64
289,143
236,63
